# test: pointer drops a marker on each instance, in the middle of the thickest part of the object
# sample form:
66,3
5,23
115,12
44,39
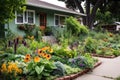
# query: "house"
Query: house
41,14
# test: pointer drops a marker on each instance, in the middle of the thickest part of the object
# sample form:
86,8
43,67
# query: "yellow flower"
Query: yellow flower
32,37
45,48
50,50
48,56
36,59
3,68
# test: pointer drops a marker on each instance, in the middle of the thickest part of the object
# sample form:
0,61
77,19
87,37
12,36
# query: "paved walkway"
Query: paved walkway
108,70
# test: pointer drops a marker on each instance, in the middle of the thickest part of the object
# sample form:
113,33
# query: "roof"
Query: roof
42,4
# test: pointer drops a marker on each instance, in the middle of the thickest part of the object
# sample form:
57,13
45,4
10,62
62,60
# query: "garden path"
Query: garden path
108,70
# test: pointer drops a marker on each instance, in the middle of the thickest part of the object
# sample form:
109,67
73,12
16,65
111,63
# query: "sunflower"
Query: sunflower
39,51
27,59
36,59
48,56
44,55
27,56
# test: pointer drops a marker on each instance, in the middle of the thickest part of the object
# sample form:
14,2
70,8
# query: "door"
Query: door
2,31
42,21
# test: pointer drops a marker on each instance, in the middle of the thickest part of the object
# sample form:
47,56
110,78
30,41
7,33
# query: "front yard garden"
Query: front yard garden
30,58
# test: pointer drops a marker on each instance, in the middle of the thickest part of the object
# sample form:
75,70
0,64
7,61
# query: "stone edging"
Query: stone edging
95,55
73,76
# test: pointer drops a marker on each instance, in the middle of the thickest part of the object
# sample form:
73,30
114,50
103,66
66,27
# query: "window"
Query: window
59,20
25,17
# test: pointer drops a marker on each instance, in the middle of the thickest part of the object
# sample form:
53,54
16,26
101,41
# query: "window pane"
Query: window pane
19,18
56,20
30,17
62,20
25,16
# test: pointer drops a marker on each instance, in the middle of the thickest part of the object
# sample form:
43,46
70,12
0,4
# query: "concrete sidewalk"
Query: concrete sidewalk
108,70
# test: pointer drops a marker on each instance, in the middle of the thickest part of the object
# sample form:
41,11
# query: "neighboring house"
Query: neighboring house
41,14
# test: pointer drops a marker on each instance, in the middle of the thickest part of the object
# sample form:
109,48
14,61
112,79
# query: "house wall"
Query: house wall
50,18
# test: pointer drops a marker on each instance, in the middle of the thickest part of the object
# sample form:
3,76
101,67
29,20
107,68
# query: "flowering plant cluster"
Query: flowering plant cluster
11,68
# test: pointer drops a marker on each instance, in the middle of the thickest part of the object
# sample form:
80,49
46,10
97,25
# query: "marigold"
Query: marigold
36,59
48,56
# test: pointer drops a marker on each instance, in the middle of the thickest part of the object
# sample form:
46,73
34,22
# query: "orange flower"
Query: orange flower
44,55
45,48
36,59
48,56
27,56
39,51
27,59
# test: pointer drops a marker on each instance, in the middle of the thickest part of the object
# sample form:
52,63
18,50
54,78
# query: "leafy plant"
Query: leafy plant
60,70
40,70
23,50
83,62
74,26
69,70
90,45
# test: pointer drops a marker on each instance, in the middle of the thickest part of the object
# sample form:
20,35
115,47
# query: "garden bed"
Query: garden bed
96,55
73,76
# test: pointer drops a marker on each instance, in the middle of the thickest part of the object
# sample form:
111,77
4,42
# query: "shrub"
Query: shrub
90,45
74,26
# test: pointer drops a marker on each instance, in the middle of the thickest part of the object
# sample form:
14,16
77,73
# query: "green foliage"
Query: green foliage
65,53
69,70
8,8
82,62
33,45
40,70
75,27
9,50
104,18
60,70
90,45
23,50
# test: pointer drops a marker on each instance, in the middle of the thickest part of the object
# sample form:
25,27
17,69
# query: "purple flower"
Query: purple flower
82,65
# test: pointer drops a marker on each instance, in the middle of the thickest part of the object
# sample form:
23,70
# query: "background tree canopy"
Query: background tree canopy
8,8
91,7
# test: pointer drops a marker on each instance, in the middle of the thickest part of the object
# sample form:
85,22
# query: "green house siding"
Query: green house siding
50,18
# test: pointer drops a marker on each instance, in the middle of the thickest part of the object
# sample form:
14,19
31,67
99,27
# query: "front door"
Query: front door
2,32
42,21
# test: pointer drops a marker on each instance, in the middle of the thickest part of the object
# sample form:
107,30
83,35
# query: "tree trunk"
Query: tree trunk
88,13
78,3
93,13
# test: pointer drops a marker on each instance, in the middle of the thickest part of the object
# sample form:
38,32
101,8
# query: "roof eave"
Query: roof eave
76,13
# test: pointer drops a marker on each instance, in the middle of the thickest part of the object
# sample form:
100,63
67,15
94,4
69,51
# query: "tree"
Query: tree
8,8
90,12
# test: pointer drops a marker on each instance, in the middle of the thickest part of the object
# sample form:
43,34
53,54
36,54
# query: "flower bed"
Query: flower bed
73,76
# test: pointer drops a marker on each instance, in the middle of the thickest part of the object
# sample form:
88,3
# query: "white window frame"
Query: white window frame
59,19
26,22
